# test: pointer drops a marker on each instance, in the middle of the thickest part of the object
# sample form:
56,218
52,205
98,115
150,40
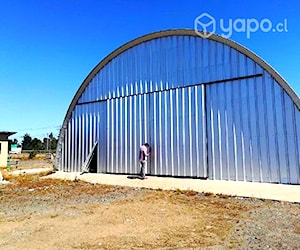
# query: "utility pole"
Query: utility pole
47,142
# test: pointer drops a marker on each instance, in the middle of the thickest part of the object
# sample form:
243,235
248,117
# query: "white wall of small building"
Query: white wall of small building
3,153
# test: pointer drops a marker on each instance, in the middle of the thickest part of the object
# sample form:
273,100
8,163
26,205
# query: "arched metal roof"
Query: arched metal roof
180,32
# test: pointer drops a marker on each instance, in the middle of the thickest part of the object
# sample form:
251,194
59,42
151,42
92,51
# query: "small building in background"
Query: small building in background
4,147
15,149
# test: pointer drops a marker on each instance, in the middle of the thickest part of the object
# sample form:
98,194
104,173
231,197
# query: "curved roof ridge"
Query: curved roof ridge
180,32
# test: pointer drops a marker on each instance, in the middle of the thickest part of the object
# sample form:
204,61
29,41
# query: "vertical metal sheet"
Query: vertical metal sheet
261,133
127,129
176,133
83,131
152,118
166,63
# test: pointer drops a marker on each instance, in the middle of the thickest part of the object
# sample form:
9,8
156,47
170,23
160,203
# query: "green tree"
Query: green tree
49,142
53,142
26,142
13,141
36,144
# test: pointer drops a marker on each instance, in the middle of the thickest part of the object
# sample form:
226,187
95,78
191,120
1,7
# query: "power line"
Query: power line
35,129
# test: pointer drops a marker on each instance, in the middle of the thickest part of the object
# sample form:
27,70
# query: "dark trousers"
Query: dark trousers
143,168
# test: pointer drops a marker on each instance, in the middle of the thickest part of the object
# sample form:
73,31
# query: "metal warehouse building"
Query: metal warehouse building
210,108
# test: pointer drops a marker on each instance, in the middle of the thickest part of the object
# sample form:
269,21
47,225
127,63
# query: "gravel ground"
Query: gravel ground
56,214
275,226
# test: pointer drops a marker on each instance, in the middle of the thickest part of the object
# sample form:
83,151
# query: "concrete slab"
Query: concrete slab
290,193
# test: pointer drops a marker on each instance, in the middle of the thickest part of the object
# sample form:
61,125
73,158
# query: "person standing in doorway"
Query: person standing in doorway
143,155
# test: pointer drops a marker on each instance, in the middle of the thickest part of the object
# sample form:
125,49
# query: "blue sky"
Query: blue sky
48,47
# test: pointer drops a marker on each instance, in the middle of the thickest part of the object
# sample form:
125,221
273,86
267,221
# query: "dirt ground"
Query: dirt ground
37,213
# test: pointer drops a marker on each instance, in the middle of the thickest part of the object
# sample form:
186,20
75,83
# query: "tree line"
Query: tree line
29,143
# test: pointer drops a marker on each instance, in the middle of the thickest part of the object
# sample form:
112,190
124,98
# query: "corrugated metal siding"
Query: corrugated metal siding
252,132
167,63
177,132
207,110
171,121
127,127
84,129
